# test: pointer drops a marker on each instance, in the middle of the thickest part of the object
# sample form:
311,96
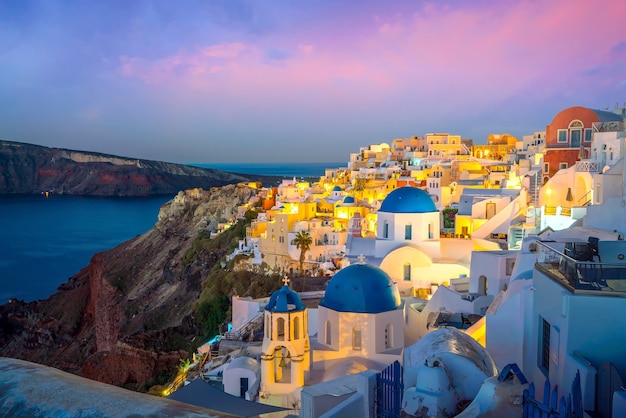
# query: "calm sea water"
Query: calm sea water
44,241
276,169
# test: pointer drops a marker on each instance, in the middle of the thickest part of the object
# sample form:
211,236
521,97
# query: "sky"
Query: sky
229,81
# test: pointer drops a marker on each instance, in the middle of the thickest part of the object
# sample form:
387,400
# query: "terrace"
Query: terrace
579,266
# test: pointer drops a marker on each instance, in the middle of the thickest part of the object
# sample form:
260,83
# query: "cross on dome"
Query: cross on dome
286,280
361,259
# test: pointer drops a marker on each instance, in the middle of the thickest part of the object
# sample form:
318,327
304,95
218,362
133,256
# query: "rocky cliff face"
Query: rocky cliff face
27,169
128,316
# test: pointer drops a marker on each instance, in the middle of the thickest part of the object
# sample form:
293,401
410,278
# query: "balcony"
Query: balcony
587,166
577,269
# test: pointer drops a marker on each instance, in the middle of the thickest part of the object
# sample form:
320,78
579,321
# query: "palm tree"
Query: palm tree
303,242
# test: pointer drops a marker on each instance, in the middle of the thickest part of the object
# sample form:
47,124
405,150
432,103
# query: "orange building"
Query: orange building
568,137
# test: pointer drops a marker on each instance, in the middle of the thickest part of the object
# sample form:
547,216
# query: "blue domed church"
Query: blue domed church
361,315
407,245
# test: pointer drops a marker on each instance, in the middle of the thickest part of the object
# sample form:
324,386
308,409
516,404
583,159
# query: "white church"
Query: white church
408,245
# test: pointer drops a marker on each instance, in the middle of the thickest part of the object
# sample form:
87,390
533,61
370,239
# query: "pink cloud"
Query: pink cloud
476,56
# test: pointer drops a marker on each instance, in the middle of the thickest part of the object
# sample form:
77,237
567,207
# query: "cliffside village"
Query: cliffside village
462,279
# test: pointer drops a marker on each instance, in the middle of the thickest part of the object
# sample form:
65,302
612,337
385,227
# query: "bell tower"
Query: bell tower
285,354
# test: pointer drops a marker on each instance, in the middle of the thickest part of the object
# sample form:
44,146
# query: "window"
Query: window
576,124
356,338
562,166
408,231
546,167
389,336
510,263
430,231
327,333
544,344
386,230
407,271
587,135
562,136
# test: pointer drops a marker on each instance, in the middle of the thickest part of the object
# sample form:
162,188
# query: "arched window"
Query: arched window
296,328
327,333
407,271
389,336
280,328
385,230
356,338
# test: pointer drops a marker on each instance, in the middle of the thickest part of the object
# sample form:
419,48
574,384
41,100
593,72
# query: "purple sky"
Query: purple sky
271,81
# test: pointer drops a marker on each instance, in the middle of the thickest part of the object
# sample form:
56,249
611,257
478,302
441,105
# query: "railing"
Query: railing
246,331
587,166
581,273
585,200
551,406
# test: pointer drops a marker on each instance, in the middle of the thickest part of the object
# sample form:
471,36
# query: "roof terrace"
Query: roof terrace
592,267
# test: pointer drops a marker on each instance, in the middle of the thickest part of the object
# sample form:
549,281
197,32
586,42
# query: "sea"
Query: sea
46,240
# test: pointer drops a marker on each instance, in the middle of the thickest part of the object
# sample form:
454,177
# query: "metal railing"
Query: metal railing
582,273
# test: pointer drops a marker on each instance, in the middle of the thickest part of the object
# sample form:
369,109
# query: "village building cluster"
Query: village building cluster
465,272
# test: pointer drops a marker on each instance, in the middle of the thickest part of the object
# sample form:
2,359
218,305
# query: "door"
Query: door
491,210
243,387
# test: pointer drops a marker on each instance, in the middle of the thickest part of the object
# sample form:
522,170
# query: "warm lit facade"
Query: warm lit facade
445,145
496,148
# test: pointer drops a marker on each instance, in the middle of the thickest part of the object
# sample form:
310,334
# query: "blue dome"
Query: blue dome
408,200
337,189
361,288
285,300
348,200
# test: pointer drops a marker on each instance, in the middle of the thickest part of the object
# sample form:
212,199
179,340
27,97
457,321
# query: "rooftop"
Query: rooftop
577,266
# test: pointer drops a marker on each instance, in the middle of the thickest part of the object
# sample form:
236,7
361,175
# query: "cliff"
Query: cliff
29,169
132,313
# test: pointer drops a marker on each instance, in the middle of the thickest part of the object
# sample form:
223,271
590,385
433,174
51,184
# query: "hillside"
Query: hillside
33,169
137,309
